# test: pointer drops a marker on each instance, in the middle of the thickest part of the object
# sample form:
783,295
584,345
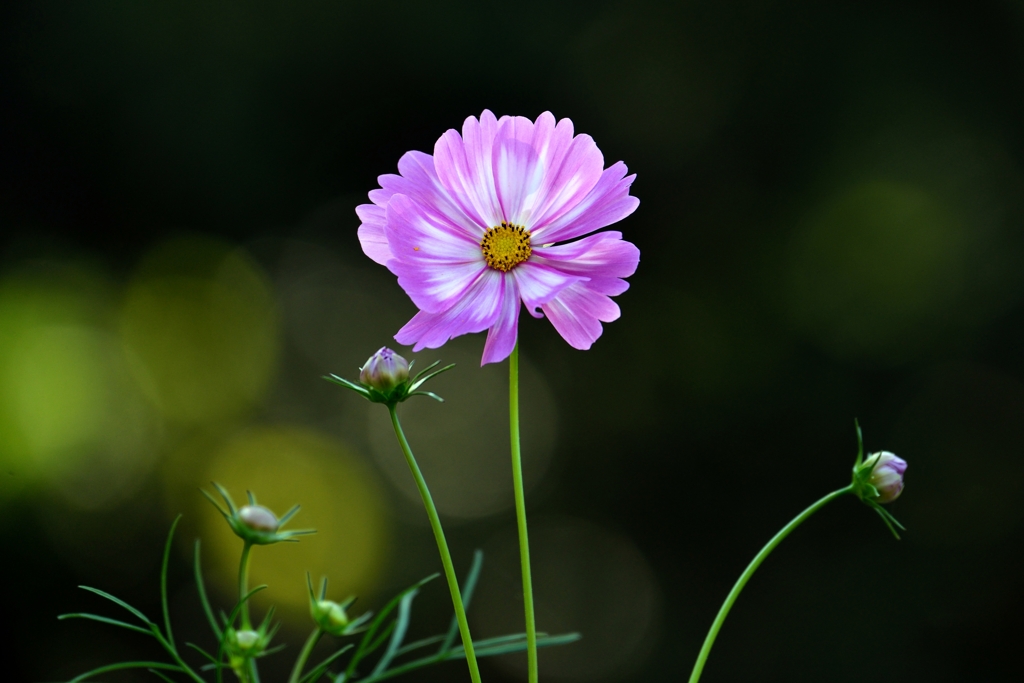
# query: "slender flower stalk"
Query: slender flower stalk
878,479
307,649
243,584
716,625
524,540
442,546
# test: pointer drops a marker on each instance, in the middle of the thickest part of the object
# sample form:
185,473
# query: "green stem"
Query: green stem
524,541
307,649
243,583
442,547
702,658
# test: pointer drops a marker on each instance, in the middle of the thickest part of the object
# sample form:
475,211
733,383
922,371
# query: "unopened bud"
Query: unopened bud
330,616
247,639
886,475
384,370
258,518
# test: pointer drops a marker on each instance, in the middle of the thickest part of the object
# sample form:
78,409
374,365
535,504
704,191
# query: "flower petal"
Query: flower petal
463,165
541,170
539,284
604,258
418,234
419,181
609,201
501,338
434,262
577,313
475,311
436,287
517,165
371,232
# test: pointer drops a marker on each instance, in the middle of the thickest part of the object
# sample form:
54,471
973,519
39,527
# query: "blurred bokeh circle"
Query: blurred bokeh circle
283,466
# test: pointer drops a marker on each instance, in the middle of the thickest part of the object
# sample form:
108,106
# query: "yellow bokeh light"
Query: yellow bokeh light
340,498
70,414
202,320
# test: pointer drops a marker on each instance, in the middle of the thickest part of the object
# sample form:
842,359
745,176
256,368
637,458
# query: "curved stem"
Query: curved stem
524,541
698,666
442,547
307,649
243,585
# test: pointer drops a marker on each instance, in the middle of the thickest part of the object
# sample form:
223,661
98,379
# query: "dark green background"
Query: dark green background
830,227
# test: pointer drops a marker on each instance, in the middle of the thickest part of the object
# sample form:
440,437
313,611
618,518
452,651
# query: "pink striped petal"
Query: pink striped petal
475,311
371,233
609,201
435,264
604,258
463,165
436,287
539,284
417,234
577,313
540,170
419,181
501,338
517,166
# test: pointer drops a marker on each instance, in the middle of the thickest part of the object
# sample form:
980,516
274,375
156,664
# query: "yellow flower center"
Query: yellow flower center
506,246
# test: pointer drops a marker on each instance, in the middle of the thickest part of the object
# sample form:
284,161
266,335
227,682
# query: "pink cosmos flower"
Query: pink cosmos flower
488,221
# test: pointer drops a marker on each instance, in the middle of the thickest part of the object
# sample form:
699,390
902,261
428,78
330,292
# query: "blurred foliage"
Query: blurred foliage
830,228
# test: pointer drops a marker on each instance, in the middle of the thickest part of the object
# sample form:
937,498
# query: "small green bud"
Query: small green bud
384,371
329,616
244,644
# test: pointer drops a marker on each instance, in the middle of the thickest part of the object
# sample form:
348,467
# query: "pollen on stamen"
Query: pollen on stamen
506,246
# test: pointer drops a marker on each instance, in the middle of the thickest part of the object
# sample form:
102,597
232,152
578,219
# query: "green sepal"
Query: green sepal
425,374
402,392
891,522
860,444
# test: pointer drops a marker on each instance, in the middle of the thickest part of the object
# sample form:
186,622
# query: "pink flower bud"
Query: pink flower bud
886,475
384,370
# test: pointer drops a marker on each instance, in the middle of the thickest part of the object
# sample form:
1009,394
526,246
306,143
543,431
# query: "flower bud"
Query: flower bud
330,616
247,639
384,370
255,524
886,475
258,518
245,644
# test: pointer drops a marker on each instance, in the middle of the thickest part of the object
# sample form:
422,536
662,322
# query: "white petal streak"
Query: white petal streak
417,234
539,284
463,165
475,311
